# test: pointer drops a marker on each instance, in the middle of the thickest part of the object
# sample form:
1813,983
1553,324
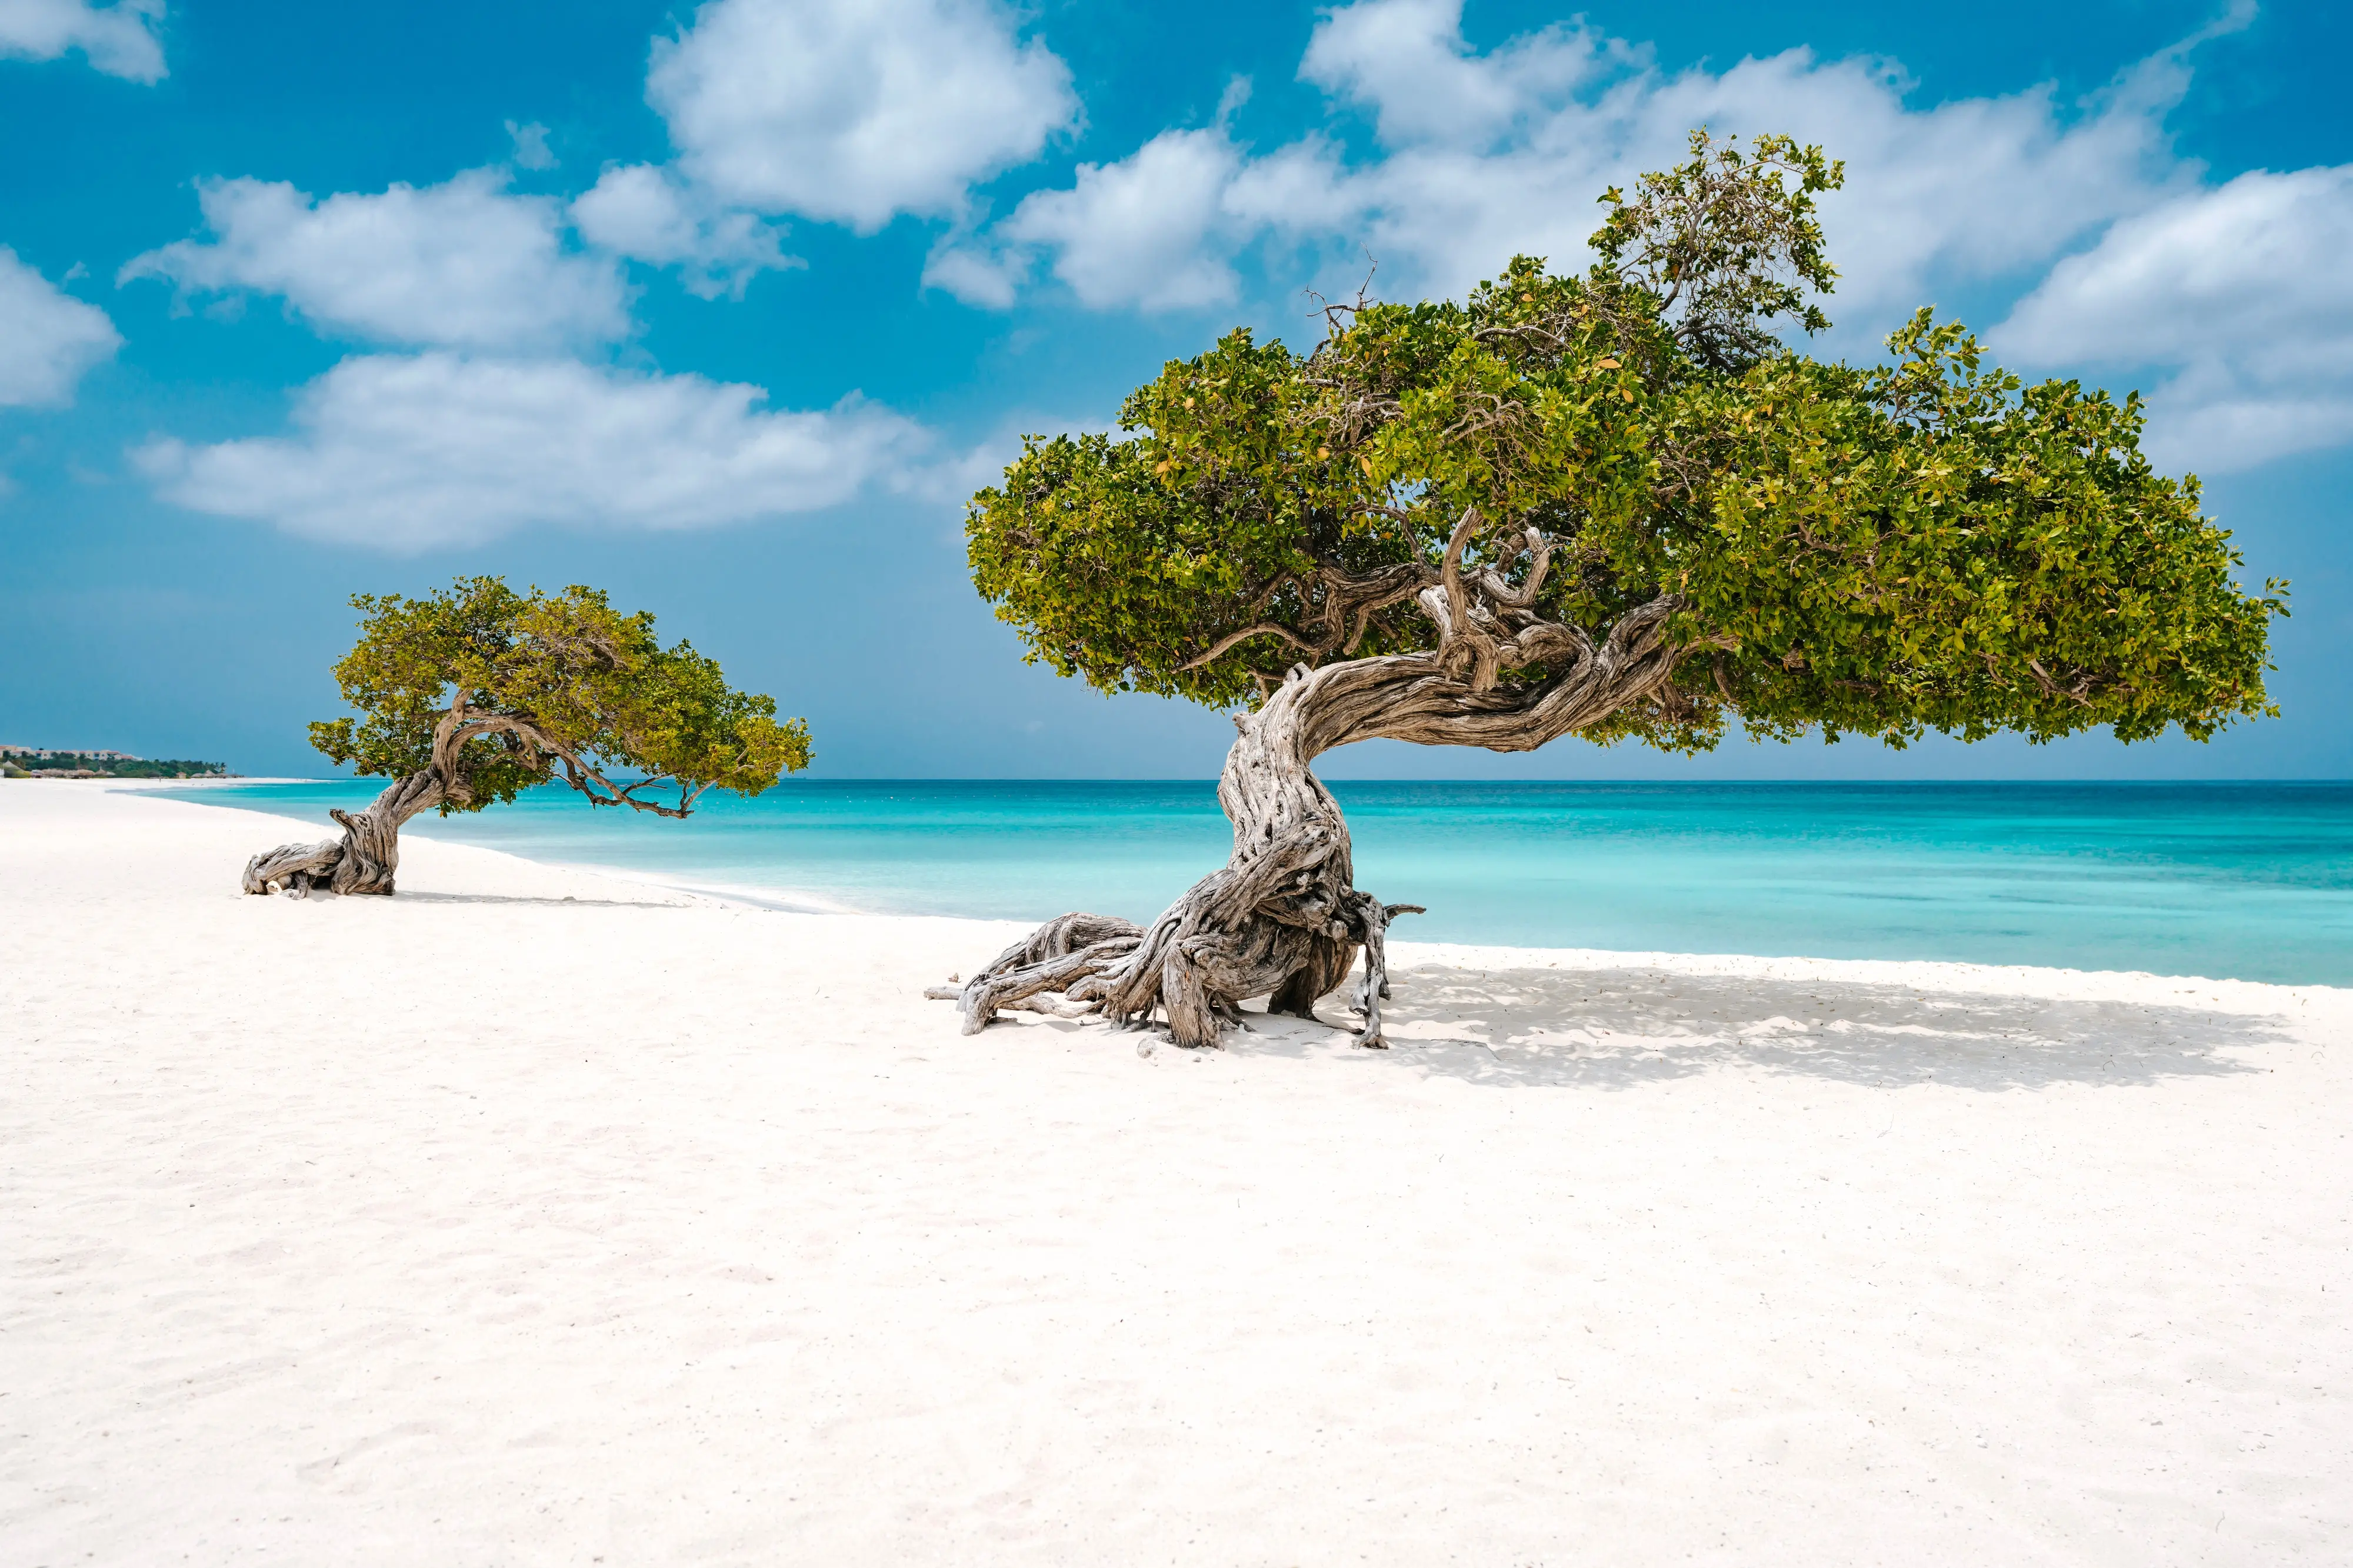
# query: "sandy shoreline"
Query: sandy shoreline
540,1217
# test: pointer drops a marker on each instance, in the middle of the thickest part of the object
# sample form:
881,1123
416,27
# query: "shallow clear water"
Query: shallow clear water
2249,881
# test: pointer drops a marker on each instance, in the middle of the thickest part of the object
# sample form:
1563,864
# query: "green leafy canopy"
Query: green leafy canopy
561,685
1927,543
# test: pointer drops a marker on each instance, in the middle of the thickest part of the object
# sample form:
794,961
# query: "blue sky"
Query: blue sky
725,307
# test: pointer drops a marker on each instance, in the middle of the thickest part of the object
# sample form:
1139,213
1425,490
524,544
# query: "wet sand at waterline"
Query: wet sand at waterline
537,1216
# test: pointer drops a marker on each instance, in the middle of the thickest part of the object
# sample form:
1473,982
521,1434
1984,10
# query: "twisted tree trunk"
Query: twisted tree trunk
1283,918
363,860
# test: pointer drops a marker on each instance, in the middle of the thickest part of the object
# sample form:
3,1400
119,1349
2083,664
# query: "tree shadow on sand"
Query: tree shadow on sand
1616,1028
542,901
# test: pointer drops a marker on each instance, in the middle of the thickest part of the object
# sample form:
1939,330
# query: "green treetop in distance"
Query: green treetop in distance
1612,504
468,696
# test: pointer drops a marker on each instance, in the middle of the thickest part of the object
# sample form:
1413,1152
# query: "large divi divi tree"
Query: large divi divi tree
1611,505
470,696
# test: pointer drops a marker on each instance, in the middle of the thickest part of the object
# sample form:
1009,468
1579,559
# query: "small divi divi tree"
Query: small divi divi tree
471,694
1611,505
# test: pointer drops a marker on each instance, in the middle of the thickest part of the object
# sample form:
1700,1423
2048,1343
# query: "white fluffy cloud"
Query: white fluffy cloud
465,264
47,338
647,212
855,111
1145,231
1970,188
118,40
2244,293
409,452
1406,60
1481,155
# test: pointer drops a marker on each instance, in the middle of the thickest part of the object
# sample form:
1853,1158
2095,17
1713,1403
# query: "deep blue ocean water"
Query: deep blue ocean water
2249,881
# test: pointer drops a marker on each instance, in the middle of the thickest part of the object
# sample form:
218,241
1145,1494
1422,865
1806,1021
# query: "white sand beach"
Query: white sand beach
532,1216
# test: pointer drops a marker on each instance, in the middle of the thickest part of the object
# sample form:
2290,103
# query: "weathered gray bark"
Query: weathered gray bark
363,860
1284,918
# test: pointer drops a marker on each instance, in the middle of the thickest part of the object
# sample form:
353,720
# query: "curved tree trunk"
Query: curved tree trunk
363,860
1283,918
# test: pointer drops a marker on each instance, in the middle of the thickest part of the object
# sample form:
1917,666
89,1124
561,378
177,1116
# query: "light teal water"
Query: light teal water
2250,881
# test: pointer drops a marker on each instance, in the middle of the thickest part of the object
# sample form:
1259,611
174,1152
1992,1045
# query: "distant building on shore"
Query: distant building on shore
47,753
58,762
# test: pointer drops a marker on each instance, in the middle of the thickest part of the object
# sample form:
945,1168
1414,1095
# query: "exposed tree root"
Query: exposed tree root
364,860
1198,962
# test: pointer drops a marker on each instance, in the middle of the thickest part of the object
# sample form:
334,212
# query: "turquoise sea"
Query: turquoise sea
2250,881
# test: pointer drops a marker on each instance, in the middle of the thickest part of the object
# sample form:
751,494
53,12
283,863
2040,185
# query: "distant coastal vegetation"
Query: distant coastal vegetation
47,762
